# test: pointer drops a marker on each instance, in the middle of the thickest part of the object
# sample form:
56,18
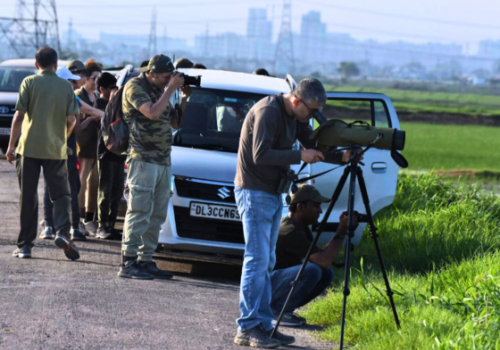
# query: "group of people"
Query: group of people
56,127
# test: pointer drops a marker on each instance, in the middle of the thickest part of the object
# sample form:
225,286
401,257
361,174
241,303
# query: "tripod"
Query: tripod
354,171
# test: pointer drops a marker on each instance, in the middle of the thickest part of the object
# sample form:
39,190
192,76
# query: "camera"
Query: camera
287,177
190,80
361,217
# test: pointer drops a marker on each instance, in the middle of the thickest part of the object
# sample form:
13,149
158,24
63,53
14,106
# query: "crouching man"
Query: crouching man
294,240
146,109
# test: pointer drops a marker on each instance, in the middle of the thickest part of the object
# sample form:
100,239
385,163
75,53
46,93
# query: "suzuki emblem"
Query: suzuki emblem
224,193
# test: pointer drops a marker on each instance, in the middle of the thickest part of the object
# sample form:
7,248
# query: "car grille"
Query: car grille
207,229
191,188
5,122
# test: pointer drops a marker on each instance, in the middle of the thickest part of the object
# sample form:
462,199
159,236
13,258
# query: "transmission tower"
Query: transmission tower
152,36
26,34
283,59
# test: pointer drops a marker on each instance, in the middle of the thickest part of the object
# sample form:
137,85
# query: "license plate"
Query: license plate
214,211
4,131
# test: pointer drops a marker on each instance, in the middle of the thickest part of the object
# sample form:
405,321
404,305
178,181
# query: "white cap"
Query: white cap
65,73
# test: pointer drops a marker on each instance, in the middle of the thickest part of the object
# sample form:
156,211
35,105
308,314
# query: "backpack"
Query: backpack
114,130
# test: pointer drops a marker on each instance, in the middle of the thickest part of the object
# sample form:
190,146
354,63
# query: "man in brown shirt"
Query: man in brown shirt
268,134
294,241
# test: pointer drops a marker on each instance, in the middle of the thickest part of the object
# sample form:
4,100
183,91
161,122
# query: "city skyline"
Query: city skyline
444,21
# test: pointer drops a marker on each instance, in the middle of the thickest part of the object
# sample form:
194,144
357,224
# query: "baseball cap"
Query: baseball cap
76,66
306,193
159,64
66,74
183,63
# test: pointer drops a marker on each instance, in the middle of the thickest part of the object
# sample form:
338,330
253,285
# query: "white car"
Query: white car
12,74
202,214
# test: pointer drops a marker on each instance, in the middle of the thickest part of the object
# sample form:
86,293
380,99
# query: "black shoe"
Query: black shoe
152,269
115,234
77,235
256,337
24,252
68,247
290,320
103,233
282,338
133,269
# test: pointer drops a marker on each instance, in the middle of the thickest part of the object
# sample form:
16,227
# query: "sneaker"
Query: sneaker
256,337
68,247
24,252
152,269
103,233
82,229
91,227
132,269
290,320
47,233
282,338
77,235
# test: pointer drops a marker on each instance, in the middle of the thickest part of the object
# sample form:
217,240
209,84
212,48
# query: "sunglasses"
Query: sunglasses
312,111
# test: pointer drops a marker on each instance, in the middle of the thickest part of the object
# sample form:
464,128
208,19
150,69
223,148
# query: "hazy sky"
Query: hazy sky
460,21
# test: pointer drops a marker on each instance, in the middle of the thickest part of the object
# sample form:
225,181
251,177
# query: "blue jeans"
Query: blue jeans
261,216
314,281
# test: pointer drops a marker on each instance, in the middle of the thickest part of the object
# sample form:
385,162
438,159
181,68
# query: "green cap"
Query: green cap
76,66
183,63
307,193
159,64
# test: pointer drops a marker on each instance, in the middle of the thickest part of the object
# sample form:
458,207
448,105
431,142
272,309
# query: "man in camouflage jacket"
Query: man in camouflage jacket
147,110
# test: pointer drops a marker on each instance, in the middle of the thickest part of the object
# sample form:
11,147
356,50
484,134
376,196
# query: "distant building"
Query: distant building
313,38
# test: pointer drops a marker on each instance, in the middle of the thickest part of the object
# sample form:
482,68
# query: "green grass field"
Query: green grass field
433,146
434,102
440,243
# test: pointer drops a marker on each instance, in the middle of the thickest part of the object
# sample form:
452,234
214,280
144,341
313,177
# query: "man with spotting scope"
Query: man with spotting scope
265,154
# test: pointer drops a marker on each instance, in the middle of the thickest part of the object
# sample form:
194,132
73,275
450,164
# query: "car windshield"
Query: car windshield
11,77
214,119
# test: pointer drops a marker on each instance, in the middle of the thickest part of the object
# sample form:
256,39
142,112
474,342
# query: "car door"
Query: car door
379,170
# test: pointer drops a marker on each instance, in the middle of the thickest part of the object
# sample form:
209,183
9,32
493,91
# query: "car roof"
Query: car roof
26,63
236,81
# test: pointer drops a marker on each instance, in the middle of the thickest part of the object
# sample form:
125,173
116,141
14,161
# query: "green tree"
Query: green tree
348,69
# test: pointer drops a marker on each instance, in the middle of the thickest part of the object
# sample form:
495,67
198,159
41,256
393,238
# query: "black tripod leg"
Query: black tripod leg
321,227
350,234
374,235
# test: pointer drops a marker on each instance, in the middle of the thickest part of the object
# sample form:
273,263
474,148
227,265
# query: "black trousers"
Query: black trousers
74,184
110,191
56,175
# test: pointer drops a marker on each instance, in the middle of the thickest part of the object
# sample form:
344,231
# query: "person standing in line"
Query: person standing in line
73,176
87,150
45,116
110,167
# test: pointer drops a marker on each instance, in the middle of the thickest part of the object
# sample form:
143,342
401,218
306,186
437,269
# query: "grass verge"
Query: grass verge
442,147
433,102
441,245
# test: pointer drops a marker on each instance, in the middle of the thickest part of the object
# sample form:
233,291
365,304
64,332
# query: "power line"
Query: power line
235,20
401,16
